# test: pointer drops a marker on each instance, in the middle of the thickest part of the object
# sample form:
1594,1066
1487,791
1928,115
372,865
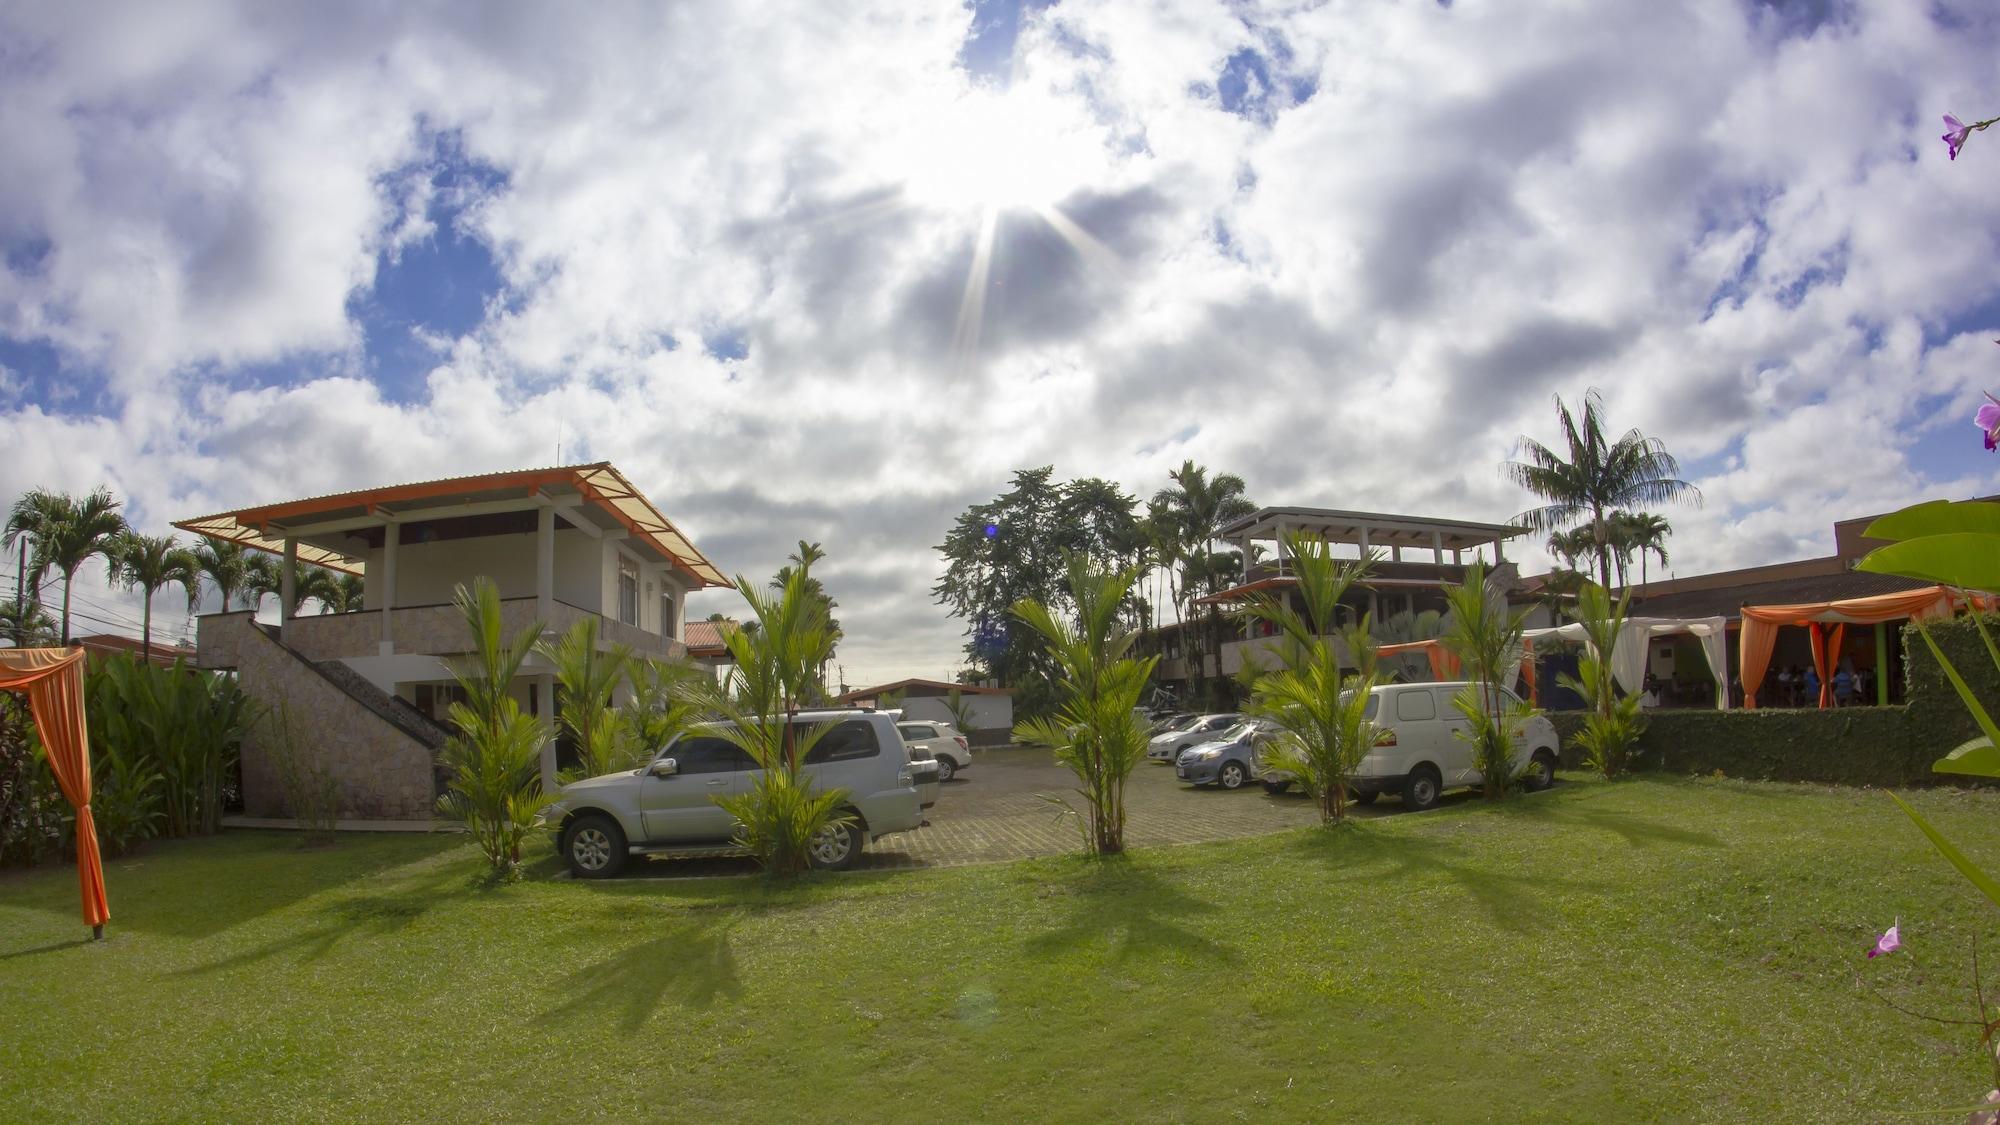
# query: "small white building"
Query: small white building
992,709
368,690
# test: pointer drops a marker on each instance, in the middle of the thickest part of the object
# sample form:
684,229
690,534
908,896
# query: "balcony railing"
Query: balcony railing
439,630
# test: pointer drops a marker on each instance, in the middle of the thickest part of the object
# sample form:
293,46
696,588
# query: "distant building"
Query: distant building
992,708
97,646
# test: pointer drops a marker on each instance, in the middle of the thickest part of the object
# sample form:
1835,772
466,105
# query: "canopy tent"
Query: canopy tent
1762,622
52,679
1628,659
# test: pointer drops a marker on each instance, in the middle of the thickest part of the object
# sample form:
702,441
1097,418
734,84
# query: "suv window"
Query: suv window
707,753
1415,705
854,738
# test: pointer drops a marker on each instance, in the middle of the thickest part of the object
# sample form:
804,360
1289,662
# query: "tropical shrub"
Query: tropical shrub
180,723
1095,728
1322,711
777,674
34,818
494,760
124,799
664,705
1485,635
1614,722
588,675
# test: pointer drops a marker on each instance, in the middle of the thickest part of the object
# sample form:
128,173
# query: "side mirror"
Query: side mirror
664,767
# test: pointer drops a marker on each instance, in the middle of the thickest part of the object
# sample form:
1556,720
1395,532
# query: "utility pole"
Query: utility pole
21,594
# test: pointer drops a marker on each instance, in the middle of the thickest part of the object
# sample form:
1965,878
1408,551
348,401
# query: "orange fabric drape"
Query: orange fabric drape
52,678
1528,672
1761,624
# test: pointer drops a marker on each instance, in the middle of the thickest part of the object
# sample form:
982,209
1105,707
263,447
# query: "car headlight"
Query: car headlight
1204,755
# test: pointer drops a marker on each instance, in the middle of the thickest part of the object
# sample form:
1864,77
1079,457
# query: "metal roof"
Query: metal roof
599,484
1384,529
1728,601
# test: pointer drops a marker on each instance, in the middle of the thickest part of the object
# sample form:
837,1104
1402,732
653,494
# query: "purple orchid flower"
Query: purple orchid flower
1988,420
1955,139
1889,942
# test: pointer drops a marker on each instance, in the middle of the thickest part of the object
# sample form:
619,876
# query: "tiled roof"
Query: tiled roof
905,685
1726,601
705,636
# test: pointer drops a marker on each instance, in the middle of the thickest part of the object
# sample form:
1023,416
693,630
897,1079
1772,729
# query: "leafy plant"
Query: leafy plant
1095,730
664,704
34,817
959,706
124,800
495,789
1485,635
778,666
588,675
183,724
1614,723
1321,709
311,792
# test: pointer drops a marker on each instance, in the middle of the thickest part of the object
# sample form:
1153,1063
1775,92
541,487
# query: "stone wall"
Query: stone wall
382,773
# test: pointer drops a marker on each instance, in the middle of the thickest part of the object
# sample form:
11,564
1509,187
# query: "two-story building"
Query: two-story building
367,691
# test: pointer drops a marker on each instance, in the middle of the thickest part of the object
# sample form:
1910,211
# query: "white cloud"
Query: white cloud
1739,226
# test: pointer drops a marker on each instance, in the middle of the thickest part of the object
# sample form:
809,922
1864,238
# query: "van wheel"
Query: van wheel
1276,787
945,768
1541,771
594,846
1232,775
835,847
1363,796
1420,789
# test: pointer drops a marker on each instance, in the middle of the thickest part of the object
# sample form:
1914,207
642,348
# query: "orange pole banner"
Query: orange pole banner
52,678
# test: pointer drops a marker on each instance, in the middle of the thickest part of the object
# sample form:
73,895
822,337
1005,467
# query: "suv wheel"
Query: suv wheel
1541,771
1232,775
1363,796
945,768
1420,789
594,846
836,847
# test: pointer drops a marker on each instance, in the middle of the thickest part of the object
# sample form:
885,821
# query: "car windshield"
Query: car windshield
1217,722
1240,731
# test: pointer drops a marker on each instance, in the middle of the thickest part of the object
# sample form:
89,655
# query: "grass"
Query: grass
1658,948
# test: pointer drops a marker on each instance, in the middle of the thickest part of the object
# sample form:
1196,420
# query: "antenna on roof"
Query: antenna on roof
558,441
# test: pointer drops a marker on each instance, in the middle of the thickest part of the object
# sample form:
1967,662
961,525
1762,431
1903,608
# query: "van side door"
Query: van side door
1454,752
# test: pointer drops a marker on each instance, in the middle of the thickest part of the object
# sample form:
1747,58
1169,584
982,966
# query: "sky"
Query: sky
833,271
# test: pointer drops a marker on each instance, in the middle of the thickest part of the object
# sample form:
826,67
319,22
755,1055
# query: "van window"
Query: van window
1373,709
854,738
1415,705
1451,712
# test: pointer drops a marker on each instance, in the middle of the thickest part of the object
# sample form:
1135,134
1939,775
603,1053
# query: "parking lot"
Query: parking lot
998,810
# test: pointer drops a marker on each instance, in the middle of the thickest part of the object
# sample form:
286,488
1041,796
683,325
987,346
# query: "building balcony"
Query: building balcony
427,630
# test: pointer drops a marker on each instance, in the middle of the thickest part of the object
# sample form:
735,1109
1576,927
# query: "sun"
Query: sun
987,151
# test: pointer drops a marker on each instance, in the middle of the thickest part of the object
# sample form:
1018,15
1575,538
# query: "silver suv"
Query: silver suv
668,806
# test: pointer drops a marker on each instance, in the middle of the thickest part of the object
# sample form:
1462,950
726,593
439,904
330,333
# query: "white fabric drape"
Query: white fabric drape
1628,661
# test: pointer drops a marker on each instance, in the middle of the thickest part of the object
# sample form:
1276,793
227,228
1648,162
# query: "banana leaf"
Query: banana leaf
1975,757
1937,517
1960,558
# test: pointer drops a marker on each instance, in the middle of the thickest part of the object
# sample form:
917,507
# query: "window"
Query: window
914,730
707,753
666,613
852,739
1415,705
628,591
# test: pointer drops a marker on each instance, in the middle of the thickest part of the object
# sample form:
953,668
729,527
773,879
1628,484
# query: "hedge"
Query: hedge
1863,745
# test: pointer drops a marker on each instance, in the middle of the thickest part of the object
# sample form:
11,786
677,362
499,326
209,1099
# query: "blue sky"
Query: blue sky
835,276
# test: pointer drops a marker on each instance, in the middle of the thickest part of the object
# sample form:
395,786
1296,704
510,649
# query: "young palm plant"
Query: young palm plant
1614,722
1485,635
588,675
1095,729
784,817
495,758
1321,709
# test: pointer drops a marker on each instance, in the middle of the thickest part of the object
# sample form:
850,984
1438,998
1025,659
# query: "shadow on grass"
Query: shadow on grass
353,918
51,947
1131,912
691,964
1372,862
1637,831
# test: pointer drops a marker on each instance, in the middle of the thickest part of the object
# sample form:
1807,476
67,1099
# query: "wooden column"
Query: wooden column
288,583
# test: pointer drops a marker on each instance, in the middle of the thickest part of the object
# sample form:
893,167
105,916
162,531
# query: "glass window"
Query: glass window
916,730
1373,709
628,591
666,614
1451,712
707,753
1415,705
852,739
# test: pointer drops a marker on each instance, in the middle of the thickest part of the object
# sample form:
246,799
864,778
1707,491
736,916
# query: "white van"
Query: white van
1422,755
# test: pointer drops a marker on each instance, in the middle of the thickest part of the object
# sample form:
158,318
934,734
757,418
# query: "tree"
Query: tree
1322,711
785,819
588,675
495,789
1593,476
802,560
62,533
1164,544
1201,507
1485,635
151,562
1614,722
227,566
1644,534
959,706
261,576
26,625
1095,729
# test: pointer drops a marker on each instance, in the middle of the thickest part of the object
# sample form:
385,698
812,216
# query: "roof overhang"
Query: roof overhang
1382,529
322,527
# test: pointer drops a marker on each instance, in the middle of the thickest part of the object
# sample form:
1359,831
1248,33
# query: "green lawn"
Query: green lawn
1652,949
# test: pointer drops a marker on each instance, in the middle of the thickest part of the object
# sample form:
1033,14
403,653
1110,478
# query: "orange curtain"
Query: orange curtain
1528,671
1761,623
52,678
1754,647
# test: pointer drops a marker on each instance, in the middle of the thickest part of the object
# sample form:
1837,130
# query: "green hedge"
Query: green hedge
1888,746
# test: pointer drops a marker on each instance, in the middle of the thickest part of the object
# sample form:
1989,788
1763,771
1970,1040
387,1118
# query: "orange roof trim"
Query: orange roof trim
599,483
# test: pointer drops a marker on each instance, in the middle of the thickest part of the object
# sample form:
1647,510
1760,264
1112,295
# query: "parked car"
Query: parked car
942,740
1167,747
1233,758
669,806
1421,754
1171,721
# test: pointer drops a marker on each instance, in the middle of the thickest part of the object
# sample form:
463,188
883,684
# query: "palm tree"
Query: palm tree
64,532
588,675
802,561
151,562
1646,534
227,566
26,624
261,576
1201,507
1598,476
